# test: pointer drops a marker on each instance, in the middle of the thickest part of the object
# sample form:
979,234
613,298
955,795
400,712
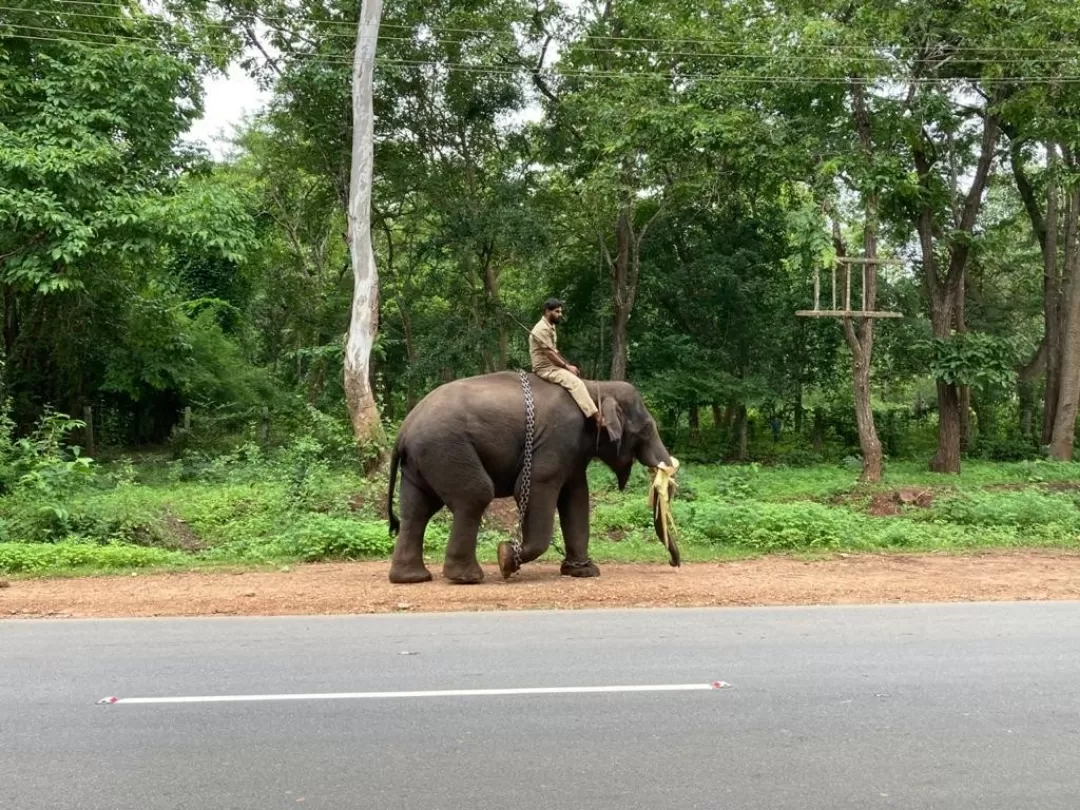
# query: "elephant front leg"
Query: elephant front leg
536,534
574,520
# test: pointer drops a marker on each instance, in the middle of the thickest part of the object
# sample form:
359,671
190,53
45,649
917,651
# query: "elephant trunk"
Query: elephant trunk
652,452
654,455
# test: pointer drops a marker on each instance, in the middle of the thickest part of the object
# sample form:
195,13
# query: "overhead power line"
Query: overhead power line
791,54
1073,49
101,38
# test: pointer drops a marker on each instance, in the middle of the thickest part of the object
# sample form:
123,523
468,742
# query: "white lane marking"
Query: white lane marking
539,690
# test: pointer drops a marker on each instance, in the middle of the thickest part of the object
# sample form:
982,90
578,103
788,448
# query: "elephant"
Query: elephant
463,445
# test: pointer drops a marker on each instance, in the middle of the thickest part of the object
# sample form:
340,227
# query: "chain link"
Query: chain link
526,469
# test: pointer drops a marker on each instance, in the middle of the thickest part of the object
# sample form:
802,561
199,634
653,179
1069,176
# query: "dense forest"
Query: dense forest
678,173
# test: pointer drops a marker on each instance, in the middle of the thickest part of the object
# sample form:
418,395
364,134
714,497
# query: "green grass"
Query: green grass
257,512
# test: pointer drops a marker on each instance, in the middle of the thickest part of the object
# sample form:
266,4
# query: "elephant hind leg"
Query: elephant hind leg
418,506
461,565
457,474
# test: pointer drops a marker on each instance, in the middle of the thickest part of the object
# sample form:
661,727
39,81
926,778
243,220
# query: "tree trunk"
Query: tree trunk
388,396
410,356
491,290
869,442
730,413
947,458
985,418
967,429
717,416
1052,300
950,423
946,294
1026,395
695,423
861,340
800,412
363,322
1045,229
817,436
742,435
1026,377
620,295
11,322
1063,433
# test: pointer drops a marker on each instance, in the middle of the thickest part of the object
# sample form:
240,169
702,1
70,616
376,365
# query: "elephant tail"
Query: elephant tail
395,458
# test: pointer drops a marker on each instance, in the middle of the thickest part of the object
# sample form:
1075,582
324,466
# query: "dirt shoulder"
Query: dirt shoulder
363,588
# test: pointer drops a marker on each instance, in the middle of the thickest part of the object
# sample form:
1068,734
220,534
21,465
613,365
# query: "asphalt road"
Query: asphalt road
951,706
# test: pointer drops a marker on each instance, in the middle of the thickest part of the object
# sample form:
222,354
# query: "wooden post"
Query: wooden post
88,418
817,287
847,288
834,287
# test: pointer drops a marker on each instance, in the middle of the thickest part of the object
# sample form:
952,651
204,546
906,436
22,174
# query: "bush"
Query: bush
312,538
41,465
39,475
772,527
1020,509
323,537
23,558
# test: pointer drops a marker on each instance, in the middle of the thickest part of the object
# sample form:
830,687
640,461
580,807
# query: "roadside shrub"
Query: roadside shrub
39,474
325,537
26,558
772,527
41,464
801,457
738,483
1020,509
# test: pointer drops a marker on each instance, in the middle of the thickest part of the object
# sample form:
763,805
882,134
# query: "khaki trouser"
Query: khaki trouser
573,384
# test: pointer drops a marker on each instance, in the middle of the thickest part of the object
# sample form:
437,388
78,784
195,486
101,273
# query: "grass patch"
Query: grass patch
249,510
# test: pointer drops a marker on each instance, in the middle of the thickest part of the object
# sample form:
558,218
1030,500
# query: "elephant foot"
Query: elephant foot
471,574
408,575
507,565
579,568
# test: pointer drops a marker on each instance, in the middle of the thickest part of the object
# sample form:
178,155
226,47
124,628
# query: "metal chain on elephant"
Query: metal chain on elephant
526,474
526,470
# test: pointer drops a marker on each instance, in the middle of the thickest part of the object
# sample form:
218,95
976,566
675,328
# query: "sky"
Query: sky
228,100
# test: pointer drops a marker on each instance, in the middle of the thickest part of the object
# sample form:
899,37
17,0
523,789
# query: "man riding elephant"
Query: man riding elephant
549,365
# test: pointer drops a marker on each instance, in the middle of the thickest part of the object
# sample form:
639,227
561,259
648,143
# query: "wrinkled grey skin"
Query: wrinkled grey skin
463,445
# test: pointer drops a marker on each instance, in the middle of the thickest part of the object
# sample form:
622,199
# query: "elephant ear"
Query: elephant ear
613,418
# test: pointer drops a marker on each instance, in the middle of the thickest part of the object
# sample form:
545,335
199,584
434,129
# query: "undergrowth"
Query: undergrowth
307,502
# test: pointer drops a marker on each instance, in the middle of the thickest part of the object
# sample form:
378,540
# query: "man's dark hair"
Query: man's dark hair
552,303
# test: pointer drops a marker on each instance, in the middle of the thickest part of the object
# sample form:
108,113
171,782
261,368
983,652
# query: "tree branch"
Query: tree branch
254,40
1034,368
1027,192
537,79
982,173
37,239
924,223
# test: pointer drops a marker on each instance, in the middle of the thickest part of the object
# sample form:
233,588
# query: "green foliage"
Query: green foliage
39,475
58,558
325,537
1024,509
977,359
292,506
665,185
